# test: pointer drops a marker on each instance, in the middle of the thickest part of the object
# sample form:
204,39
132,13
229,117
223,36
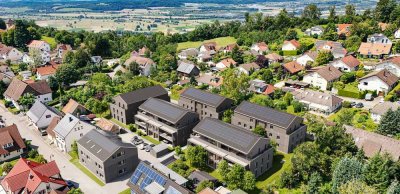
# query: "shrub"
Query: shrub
346,104
289,53
351,94
132,127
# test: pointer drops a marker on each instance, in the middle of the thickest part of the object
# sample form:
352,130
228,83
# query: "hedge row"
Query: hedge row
288,53
351,94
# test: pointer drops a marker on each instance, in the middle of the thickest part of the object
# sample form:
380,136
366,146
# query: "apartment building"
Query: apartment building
234,144
206,104
286,129
106,156
165,121
125,106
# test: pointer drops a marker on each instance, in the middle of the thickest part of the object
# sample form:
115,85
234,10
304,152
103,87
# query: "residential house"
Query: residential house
47,71
336,48
290,45
159,179
392,64
293,67
17,88
381,81
74,108
344,29
106,156
397,34
236,145
318,101
62,50
145,64
10,23
378,38
198,176
97,60
225,63
42,48
211,80
262,61
41,115
50,129
142,52
274,58
322,77
25,75
187,69
308,57
206,56
188,53
285,129
381,109
11,143
228,48
315,30
204,103
260,87
165,121
31,177
10,53
374,50
108,126
346,64
6,74
208,190
383,26
260,47
373,143
69,130
208,46
249,68
125,106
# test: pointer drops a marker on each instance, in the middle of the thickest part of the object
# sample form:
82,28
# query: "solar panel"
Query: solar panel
148,175
205,97
164,109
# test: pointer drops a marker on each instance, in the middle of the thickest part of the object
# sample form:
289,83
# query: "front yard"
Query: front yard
75,161
360,118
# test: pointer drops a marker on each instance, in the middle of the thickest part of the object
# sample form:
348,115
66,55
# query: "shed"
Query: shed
159,150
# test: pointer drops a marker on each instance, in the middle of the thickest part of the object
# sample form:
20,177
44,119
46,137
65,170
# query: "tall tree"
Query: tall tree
356,186
235,85
394,188
378,172
291,34
67,74
197,156
390,123
314,183
384,9
3,25
346,170
223,169
21,34
311,12
332,14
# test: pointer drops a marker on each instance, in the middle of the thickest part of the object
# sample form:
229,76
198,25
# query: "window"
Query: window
48,116
271,126
270,134
210,115
251,127
205,106
239,123
244,125
365,83
278,137
251,120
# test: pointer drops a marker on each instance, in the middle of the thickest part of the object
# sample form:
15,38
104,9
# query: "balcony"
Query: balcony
167,137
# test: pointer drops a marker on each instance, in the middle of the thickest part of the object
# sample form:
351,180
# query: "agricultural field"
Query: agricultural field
221,42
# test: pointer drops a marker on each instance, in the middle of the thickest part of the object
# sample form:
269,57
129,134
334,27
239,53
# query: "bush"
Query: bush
289,53
351,94
132,127
33,153
346,104
7,167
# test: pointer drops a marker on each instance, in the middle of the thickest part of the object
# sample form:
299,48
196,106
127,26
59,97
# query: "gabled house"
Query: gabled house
74,108
47,71
11,143
381,81
346,64
96,60
308,57
260,47
6,74
206,56
318,101
397,34
10,53
231,143
322,76
249,68
260,87
228,48
125,106
206,104
274,58
69,130
62,50
225,63
380,109
290,45
145,64
42,48
188,53
315,30
293,67
392,64
31,177
374,50
211,80
344,29
41,115
208,46
336,48
50,129
108,126
17,88
187,69
106,156
378,38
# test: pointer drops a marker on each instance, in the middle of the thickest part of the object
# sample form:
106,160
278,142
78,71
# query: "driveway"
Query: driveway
68,170
367,104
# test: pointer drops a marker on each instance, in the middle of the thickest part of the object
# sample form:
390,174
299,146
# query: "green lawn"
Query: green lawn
362,119
280,163
221,42
152,140
75,161
126,191
119,123
51,41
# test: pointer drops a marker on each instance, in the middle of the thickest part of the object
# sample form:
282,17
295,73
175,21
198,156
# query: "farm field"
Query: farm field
221,42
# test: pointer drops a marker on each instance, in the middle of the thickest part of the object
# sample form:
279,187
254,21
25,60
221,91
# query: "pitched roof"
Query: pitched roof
274,57
143,61
71,106
266,114
211,80
328,72
228,62
384,75
317,97
250,66
65,47
293,67
201,176
5,50
47,70
165,110
52,125
350,61
102,144
368,48
67,124
27,175
107,125
373,143
190,52
312,54
11,134
383,26
382,108
37,110
269,90
210,46
205,97
185,67
143,94
36,43
230,47
344,28
335,47
228,134
294,42
18,88
207,191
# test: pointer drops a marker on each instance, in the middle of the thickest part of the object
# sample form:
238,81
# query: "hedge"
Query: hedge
289,53
391,94
351,94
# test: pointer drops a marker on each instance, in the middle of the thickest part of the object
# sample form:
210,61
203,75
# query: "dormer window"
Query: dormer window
7,145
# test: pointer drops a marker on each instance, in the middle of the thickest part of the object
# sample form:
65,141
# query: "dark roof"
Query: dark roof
201,176
204,97
18,88
102,144
143,94
266,114
386,76
228,134
163,109
37,110
10,134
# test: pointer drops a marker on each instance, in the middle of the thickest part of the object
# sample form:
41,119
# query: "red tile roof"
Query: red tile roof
11,134
293,67
344,29
47,70
295,43
351,61
269,90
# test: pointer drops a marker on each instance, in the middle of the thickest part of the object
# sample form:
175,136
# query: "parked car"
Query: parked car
353,104
152,145
138,142
359,105
148,148
70,184
369,97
